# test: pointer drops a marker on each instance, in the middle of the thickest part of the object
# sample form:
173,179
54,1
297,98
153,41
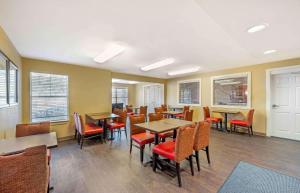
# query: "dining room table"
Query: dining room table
102,118
171,114
226,112
19,144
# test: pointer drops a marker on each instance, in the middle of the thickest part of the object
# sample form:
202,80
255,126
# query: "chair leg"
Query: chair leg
78,138
142,153
191,164
197,160
163,139
234,127
249,131
230,127
75,136
81,144
217,125
178,173
125,129
154,162
207,154
221,125
130,146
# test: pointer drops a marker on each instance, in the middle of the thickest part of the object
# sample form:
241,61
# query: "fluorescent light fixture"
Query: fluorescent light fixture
109,53
269,52
184,71
257,28
159,64
121,81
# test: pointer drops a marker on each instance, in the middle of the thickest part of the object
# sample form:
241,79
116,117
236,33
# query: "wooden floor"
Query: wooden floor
109,168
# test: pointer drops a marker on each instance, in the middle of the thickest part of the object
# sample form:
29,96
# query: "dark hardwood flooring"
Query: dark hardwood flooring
110,168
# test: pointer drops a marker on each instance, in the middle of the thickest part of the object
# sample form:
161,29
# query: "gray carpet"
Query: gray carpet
248,178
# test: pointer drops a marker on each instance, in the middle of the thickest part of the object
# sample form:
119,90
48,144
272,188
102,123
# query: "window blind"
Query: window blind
13,82
49,97
3,80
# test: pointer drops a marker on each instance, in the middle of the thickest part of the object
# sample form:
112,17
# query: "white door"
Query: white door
286,106
153,96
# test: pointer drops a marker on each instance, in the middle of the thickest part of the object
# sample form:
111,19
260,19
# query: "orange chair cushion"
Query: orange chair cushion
215,119
92,129
116,125
166,149
240,122
143,138
179,115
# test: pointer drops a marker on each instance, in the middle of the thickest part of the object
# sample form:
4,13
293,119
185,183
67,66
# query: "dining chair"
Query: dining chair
157,117
215,120
181,115
201,142
188,115
244,123
118,123
158,110
164,107
143,111
129,109
25,172
28,129
86,131
138,135
177,150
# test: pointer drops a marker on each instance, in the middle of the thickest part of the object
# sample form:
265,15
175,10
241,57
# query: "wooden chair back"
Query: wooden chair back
129,108
158,110
143,110
188,115
250,116
206,112
155,116
135,119
184,142
186,108
164,107
25,172
202,135
32,129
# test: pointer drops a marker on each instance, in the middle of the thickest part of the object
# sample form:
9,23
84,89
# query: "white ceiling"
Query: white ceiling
207,33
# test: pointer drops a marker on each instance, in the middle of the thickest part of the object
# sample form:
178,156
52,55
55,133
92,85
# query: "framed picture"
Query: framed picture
189,92
231,91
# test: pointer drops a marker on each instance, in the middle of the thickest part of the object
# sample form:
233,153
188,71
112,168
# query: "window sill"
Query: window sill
59,122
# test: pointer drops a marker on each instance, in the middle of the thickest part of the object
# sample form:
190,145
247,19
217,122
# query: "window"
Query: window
8,82
13,84
120,95
189,92
3,81
49,97
232,90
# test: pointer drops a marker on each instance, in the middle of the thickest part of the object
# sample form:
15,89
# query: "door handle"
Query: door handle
275,106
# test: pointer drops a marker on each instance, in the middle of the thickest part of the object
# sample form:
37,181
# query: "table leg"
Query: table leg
225,121
174,133
156,139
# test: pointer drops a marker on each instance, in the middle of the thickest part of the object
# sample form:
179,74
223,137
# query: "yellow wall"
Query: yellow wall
89,90
258,90
9,116
131,92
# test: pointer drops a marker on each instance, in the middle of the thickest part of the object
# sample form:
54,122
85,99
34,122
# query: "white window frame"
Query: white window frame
188,81
249,89
68,101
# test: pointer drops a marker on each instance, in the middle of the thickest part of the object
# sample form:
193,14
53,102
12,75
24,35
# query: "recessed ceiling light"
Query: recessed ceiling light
109,53
184,71
270,51
257,28
159,64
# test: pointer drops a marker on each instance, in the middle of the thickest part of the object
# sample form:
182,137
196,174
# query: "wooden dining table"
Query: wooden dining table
19,144
98,117
226,112
171,114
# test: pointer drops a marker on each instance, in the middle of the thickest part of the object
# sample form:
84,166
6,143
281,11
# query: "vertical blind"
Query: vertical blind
49,97
120,95
3,79
13,82
189,92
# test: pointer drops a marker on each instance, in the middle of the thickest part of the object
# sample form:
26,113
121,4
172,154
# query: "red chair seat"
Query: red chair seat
92,129
166,149
214,119
180,115
116,125
164,135
240,122
143,138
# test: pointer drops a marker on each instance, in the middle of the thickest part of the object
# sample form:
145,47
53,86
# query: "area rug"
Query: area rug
248,178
